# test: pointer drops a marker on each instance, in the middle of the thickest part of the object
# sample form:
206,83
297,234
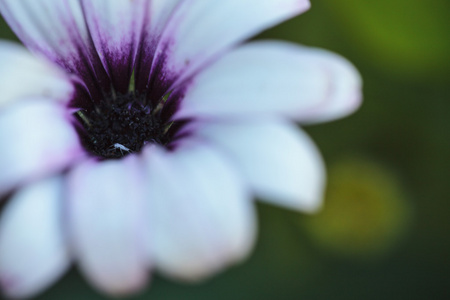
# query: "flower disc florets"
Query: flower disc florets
121,124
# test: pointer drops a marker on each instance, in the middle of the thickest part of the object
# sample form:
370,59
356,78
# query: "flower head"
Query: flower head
137,136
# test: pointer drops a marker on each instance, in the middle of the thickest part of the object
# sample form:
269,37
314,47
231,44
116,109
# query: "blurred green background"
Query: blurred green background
384,231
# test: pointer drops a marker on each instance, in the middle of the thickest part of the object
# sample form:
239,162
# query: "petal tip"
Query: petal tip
313,207
13,287
127,287
305,5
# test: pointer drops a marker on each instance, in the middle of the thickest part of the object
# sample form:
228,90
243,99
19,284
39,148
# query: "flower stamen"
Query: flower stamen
120,125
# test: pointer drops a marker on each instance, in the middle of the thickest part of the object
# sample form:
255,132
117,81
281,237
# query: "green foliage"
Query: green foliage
406,37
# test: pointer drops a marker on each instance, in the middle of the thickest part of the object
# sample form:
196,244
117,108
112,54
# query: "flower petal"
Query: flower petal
37,140
199,31
280,162
57,29
116,29
105,206
33,251
307,84
22,75
160,14
161,11
200,214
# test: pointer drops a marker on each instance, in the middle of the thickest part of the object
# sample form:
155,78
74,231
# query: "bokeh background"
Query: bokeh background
384,230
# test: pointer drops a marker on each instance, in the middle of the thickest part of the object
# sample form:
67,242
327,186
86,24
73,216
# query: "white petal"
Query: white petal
280,162
344,88
33,251
161,11
37,140
201,30
116,29
303,83
22,75
200,215
52,27
57,29
106,222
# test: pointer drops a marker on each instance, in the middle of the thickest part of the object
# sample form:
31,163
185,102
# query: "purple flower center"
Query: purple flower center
122,124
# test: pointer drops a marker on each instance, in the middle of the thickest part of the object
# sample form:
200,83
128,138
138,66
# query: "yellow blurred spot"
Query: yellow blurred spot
365,211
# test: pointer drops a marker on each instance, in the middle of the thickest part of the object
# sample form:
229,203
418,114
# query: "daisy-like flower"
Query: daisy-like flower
138,133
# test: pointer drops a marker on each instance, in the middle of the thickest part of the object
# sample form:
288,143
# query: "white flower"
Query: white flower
160,176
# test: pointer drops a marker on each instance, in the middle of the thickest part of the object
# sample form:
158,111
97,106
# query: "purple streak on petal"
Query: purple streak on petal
177,132
120,68
151,75
87,65
81,97
161,79
155,77
144,62
94,79
173,103
119,57
82,60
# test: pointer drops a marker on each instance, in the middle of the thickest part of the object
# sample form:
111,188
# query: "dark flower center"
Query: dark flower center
121,124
